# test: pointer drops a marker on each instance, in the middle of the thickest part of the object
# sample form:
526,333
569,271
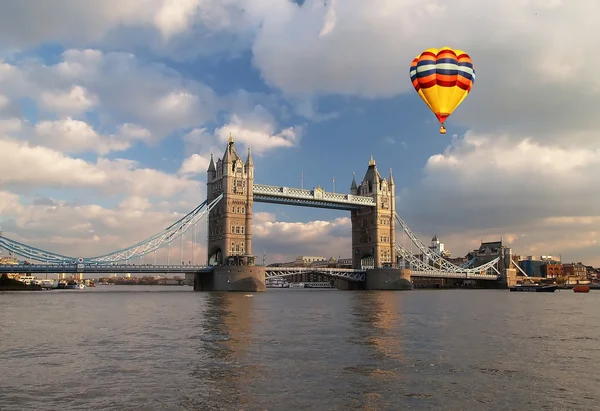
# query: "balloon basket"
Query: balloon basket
442,130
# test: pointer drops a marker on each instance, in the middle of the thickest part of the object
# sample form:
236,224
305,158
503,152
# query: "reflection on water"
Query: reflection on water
224,335
167,348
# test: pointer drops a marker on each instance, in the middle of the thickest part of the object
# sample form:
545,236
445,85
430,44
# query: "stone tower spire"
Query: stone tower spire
212,171
353,186
249,162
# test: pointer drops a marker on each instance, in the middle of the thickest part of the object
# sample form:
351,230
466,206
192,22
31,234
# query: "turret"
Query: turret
249,166
353,186
212,171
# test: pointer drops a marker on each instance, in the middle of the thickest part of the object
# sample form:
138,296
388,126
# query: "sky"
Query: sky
109,111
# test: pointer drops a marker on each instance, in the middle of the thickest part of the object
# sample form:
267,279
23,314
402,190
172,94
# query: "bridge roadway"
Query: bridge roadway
271,272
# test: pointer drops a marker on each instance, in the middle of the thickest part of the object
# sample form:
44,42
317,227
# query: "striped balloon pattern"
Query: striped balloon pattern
443,78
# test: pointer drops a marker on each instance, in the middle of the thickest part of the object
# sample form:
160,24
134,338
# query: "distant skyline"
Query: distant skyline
109,111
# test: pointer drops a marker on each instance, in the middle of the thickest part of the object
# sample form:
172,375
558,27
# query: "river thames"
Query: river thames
169,348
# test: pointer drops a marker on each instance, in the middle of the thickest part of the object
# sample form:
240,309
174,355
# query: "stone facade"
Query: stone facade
373,228
230,222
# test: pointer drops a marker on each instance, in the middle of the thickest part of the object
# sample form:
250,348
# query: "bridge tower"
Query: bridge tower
230,222
373,228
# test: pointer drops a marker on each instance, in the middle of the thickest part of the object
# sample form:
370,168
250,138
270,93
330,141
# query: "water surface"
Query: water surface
168,348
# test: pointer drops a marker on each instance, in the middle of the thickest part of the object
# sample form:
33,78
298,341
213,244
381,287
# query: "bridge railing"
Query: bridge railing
316,194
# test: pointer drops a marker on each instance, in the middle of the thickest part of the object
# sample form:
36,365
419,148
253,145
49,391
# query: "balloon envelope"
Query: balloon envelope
443,78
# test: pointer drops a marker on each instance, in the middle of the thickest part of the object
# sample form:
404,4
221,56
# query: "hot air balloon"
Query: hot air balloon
443,78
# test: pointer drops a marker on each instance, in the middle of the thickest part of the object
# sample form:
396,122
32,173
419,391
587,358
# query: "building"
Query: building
576,271
488,251
374,228
230,221
552,269
304,260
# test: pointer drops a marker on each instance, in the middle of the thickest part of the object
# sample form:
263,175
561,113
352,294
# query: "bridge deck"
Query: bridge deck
272,272
317,197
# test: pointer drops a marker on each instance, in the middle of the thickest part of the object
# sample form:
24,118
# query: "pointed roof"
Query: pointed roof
391,177
434,238
211,165
372,173
249,162
231,154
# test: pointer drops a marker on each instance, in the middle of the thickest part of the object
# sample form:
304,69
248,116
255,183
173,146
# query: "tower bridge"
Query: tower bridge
378,261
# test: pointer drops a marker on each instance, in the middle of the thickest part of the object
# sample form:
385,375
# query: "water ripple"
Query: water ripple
128,348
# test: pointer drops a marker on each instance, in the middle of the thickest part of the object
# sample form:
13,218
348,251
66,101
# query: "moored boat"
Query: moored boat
581,288
73,285
534,288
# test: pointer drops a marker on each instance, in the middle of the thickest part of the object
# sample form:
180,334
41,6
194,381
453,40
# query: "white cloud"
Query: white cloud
174,16
529,65
3,102
73,136
75,101
540,196
284,241
194,164
118,86
10,125
24,166
257,128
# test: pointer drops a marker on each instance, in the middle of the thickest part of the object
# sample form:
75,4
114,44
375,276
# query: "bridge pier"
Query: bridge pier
232,278
388,279
346,285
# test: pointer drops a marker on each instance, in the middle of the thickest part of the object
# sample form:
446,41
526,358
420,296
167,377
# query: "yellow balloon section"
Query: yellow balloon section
443,78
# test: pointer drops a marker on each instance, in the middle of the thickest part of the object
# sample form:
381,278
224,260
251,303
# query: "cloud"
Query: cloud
74,101
91,230
42,167
541,196
255,127
117,85
194,164
285,240
529,56
73,136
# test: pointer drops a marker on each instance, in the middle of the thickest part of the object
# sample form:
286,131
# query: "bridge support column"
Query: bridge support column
232,278
508,279
388,279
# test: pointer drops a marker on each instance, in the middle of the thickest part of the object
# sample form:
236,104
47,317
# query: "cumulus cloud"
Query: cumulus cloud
539,197
285,240
120,87
73,136
68,102
24,166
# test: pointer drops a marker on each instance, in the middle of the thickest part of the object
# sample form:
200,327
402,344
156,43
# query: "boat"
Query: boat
534,288
75,286
581,288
